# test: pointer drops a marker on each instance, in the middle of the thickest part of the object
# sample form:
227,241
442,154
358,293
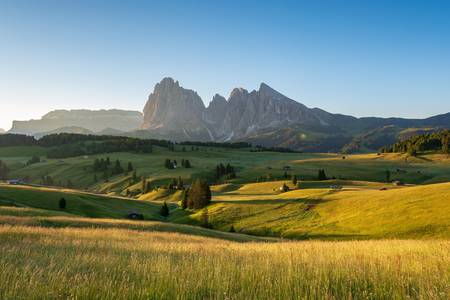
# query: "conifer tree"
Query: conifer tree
144,185
62,203
164,211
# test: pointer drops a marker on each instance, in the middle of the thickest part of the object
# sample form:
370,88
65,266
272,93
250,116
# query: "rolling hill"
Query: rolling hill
360,210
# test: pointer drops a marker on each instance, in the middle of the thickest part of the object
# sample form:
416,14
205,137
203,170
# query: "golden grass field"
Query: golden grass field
116,262
368,240
360,210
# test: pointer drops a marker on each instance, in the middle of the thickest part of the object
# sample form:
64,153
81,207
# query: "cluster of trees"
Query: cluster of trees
259,148
321,175
47,180
8,140
108,168
107,146
172,164
437,141
236,145
63,145
197,196
185,163
227,170
176,184
33,160
4,170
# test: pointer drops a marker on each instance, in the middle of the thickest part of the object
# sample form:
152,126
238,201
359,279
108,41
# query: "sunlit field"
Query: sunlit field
94,263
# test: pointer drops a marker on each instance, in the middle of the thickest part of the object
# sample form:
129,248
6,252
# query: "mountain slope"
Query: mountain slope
93,120
268,118
175,112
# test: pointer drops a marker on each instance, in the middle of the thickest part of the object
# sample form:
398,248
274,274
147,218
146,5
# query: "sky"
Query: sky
362,58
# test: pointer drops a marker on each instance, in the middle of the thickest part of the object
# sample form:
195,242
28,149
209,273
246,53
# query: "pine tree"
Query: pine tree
187,164
168,164
62,203
322,175
199,195
144,185
232,229
164,211
108,161
294,180
130,167
134,177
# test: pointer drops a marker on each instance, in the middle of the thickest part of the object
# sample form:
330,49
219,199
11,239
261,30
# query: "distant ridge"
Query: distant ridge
89,120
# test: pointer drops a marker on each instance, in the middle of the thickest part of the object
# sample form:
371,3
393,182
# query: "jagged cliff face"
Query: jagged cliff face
262,116
92,120
179,112
175,112
248,113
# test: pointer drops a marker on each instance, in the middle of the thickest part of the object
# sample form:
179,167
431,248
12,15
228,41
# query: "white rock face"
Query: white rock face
179,113
175,112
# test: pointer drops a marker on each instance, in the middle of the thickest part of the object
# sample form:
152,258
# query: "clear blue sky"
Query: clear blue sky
364,58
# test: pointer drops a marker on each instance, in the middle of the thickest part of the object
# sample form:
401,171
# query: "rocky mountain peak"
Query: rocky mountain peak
238,92
172,108
218,99
167,82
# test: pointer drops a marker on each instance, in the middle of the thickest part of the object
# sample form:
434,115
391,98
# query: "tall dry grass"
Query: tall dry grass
83,263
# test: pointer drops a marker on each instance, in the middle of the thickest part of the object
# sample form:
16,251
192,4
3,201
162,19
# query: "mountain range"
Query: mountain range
80,121
264,117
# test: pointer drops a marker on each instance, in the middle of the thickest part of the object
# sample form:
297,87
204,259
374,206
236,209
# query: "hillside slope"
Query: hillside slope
358,211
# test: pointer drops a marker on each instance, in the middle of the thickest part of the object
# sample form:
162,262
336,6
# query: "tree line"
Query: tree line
227,170
63,145
173,164
436,141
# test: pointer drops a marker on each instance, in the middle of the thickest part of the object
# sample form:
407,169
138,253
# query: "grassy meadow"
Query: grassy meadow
366,239
249,166
360,210
121,261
